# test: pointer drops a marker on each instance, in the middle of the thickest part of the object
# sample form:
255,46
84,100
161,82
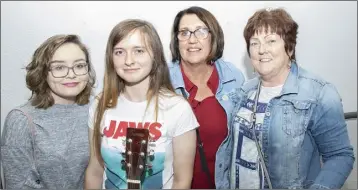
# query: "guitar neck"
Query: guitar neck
133,185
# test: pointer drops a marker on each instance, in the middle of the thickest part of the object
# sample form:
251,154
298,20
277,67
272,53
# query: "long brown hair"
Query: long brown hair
113,85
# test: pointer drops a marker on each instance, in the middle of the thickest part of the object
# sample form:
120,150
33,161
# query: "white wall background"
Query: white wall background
327,39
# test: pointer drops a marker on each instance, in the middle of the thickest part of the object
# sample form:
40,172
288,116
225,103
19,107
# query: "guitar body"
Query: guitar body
136,156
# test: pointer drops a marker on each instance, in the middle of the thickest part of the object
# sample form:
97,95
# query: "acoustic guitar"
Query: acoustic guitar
135,163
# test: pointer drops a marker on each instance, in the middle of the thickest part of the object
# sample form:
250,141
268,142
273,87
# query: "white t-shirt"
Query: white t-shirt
246,172
175,117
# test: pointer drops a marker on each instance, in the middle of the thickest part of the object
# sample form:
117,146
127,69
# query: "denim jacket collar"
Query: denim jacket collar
220,66
290,86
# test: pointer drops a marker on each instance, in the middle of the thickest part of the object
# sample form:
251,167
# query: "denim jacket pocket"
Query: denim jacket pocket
295,117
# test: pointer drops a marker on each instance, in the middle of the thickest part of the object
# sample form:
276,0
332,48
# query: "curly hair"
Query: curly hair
38,69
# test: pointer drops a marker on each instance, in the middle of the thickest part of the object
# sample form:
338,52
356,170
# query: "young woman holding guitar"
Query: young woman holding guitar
137,93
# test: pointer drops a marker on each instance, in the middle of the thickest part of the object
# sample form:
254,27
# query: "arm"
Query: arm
94,171
184,148
17,153
331,137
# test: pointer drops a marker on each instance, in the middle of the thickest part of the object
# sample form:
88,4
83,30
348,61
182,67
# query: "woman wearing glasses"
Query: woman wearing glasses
210,84
287,118
45,141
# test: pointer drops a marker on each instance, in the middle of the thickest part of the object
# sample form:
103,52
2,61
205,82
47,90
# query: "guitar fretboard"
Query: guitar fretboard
134,185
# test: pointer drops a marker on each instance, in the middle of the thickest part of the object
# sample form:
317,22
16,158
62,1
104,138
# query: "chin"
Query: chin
70,95
132,82
72,92
196,61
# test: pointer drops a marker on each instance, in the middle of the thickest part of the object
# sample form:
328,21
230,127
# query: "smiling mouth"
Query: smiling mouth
130,70
193,49
265,60
71,84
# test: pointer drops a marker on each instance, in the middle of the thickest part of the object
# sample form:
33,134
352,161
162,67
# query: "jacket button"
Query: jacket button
225,97
268,113
220,165
38,181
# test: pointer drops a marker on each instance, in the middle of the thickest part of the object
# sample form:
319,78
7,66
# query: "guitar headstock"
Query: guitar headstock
136,155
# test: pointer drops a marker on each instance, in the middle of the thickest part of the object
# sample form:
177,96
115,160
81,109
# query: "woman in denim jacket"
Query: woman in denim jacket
298,117
210,83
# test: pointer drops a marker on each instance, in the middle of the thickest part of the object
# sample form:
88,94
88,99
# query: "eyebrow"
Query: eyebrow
134,47
186,28
264,37
61,61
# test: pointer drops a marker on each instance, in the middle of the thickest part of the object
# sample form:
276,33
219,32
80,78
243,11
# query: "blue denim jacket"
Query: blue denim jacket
304,122
230,81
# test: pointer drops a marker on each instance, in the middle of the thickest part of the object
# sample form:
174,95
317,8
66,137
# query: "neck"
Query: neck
62,100
197,73
276,80
137,92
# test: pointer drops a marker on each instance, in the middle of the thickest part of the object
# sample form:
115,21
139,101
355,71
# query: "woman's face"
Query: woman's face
65,83
194,40
132,59
268,54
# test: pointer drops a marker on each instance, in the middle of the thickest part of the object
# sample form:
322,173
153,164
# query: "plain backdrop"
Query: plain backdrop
327,39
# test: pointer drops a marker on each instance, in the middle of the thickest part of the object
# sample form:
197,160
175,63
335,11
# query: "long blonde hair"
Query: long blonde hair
114,85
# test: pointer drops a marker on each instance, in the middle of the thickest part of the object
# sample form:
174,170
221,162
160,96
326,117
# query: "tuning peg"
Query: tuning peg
151,152
151,157
150,171
123,163
149,165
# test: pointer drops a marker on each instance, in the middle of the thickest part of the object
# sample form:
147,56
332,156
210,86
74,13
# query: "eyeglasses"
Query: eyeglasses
60,71
200,33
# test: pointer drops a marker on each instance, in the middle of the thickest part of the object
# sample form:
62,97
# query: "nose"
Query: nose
192,38
129,60
71,73
262,49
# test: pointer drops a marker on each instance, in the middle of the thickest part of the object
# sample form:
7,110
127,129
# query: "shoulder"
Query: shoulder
175,72
226,65
229,70
169,101
94,101
173,66
15,128
309,77
318,86
20,112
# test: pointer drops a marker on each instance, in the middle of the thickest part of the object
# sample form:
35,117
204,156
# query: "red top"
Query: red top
213,127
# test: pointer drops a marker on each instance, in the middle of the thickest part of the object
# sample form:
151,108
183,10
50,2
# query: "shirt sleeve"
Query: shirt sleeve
17,153
331,136
185,120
